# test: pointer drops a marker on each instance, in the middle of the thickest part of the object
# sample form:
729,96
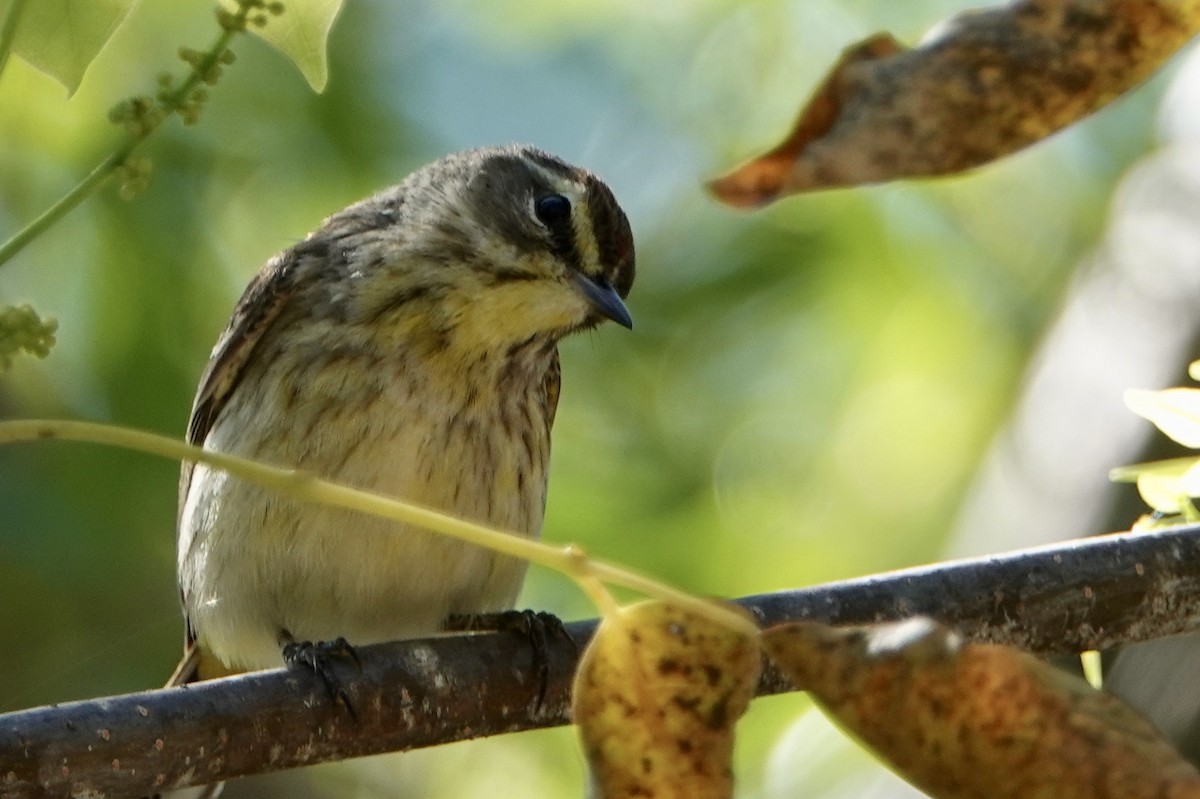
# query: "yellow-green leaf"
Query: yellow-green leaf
62,37
1164,485
1175,467
1161,492
1175,411
301,33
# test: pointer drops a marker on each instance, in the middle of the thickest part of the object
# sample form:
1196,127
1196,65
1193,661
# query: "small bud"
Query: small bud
230,21
142,168
22,330
119,112
227,57
275,8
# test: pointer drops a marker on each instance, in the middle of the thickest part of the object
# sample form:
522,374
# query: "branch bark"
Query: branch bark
1064,598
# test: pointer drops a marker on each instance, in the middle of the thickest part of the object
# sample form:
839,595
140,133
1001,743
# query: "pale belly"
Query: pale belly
255,565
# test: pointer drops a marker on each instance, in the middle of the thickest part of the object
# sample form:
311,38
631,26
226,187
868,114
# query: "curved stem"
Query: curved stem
105,169
212,55
568,560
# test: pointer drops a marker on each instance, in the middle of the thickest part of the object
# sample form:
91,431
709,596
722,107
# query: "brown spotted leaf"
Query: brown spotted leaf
656,697
969,721
980,86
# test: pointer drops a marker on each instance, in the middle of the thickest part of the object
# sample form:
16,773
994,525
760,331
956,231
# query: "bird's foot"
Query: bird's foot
537,627
318,657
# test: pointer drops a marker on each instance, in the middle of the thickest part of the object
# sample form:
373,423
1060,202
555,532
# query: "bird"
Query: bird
407,346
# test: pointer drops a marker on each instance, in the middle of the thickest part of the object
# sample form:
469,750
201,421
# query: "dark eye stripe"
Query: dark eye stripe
610,227
508,175
496,276
562,232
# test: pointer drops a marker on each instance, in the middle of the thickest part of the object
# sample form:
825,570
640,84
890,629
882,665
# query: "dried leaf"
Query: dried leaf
656,696
980,86
973,721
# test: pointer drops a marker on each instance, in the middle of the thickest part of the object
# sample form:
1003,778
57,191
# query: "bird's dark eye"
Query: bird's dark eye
552,209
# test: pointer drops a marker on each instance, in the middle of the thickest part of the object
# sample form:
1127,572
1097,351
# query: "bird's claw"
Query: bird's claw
538,627
318,657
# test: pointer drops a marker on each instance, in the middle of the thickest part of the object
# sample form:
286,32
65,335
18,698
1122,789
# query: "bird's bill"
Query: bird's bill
604,299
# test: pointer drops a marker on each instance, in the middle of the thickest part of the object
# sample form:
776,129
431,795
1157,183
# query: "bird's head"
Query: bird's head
498,246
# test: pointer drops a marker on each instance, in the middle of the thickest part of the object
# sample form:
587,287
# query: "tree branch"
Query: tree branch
1052,600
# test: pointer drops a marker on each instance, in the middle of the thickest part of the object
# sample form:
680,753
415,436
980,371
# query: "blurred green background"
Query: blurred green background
806,396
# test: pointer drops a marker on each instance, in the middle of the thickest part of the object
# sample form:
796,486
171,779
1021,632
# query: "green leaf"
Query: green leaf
62,37
22,329
301,33
1175,411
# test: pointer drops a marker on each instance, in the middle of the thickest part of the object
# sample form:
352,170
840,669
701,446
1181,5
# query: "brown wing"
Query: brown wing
260,305
268,294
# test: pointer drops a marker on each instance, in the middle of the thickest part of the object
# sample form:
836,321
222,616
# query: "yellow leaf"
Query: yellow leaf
1174,467
656,697
1161,492
1164,485
1175,411
1093,668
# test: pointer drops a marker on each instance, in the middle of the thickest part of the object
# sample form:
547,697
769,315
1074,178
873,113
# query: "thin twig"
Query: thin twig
303,486
113,161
